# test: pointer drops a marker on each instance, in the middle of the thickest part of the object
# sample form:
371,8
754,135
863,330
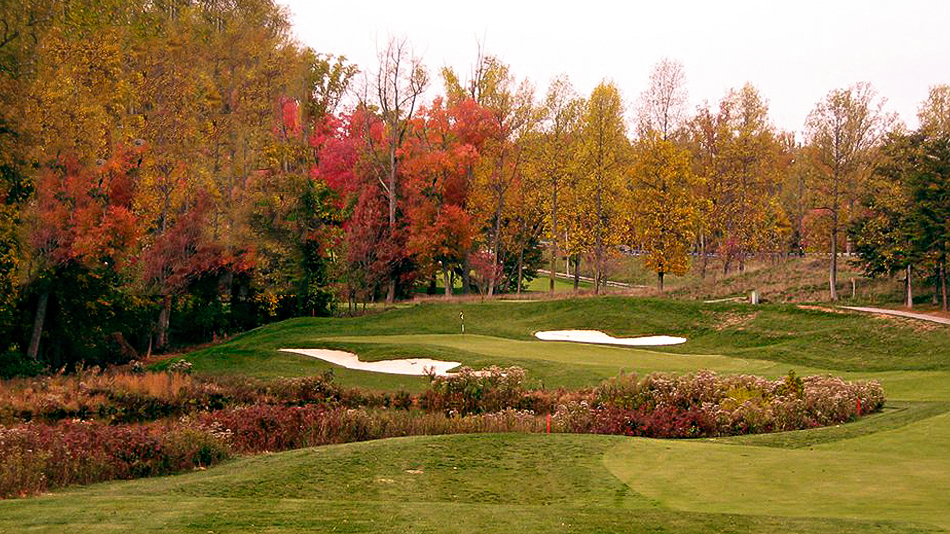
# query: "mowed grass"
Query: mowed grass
888,472
509,483
731,338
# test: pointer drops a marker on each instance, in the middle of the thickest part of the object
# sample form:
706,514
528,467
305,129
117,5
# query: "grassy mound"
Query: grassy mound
514,483
729,338
889,472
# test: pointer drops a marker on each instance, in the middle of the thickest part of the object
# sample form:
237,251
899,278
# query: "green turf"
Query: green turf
889,472
489,483
768,339
542,284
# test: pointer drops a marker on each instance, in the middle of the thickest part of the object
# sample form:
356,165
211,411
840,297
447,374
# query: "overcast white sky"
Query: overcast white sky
794,52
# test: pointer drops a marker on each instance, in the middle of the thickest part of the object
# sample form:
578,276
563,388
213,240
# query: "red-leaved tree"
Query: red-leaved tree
83,214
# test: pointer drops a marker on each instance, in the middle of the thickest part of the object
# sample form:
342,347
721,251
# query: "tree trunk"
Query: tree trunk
659,280
448,281
936,295
597,274
702,246
496,239
164,317
466,274
520,269
391,290
577,272
34,350
943,282
553,267
833,271
910,290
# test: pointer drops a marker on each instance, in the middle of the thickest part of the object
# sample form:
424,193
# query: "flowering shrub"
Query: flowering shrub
146,396
37,457
246,416
469,391
704,404
180,366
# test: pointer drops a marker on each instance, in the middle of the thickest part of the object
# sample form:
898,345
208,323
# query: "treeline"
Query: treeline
151,192
173,171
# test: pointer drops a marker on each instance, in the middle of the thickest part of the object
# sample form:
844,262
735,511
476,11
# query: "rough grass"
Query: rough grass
777,279
767,339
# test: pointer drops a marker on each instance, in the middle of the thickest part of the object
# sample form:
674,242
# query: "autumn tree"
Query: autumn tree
551,163
394,92
842,132
445,144
371,249
704,133
82,215
497,174
934,111
23,26
664,204
752,165
293,217
603,155
662,106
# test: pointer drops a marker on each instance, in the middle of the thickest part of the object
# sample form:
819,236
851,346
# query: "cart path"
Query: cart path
921,316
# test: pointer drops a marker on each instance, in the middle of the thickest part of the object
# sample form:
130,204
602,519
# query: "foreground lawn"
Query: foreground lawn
530,483
887,473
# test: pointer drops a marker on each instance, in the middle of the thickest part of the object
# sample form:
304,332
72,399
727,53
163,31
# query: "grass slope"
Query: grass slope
733,338
889,472
489,483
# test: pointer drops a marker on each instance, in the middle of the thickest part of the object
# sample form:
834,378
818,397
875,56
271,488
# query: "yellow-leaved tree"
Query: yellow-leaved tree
665,207
598,218
550,163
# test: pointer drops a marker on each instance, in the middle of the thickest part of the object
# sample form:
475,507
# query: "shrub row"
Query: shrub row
35,457
263,428
125,397
38,457
705,404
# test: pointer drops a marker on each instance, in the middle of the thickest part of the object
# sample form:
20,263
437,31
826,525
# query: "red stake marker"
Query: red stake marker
549,423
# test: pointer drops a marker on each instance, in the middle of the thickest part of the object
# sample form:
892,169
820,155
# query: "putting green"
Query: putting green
901,475
574,364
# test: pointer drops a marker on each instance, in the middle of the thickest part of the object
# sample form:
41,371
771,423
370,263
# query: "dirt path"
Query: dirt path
884,311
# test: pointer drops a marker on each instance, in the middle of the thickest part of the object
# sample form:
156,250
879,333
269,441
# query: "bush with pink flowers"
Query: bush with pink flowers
252,417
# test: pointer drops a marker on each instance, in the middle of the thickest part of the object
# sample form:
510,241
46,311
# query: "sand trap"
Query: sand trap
596,336
409,366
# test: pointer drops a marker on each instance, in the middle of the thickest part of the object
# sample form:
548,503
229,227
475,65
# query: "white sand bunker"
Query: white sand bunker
596,336
409,366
